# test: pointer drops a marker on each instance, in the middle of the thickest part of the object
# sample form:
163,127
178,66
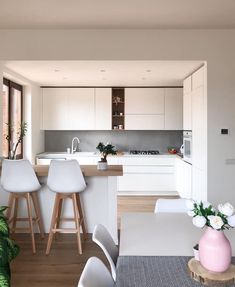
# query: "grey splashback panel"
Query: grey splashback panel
57,141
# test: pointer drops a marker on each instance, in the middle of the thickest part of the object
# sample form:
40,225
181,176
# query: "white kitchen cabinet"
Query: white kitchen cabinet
144,122
103,108
147,175
147,183
144,101
198,128
81,109
184,178
173,109
55,108
187,104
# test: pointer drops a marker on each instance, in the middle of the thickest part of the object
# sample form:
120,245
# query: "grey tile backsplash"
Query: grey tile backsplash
58,141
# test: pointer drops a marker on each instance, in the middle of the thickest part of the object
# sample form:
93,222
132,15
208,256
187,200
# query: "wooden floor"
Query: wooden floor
62,267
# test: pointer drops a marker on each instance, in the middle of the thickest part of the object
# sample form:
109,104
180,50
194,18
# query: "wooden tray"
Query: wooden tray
200,274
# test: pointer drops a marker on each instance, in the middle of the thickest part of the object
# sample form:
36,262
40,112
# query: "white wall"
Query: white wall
214,46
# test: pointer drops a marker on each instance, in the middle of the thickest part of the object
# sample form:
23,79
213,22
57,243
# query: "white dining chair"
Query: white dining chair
177,205
95,274
104,240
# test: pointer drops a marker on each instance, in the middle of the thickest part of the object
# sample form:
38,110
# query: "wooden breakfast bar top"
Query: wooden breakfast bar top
87,170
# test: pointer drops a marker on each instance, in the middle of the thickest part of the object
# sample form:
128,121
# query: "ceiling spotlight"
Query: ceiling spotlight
102,71
56,70
148,70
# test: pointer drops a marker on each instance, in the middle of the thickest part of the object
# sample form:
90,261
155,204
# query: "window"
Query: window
12,116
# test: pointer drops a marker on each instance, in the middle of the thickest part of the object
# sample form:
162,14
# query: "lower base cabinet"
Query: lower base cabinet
184,178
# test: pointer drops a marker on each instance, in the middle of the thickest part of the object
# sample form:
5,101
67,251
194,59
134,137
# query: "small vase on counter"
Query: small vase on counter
102,165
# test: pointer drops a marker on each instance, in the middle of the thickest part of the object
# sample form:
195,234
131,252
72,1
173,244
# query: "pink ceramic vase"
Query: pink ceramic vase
215,250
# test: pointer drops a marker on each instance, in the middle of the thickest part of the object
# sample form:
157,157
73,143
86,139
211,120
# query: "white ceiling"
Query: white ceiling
104,73
59,14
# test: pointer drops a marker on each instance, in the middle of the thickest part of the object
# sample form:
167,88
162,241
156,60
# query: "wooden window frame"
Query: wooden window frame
10,84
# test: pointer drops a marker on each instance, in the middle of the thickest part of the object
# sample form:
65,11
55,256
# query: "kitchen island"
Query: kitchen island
99,200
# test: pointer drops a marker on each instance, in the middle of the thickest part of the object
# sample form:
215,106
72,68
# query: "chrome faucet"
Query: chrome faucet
76,148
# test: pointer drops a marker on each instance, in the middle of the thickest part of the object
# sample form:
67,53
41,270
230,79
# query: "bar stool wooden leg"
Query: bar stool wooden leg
10,205
77,223
28,200
53,224
15,215
38,213
58,216
81,216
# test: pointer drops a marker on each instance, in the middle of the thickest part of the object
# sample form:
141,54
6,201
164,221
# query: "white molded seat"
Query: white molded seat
95,274
65,176
18,176
177,205
102,237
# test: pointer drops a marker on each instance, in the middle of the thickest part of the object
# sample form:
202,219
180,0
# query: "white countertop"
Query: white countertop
55,155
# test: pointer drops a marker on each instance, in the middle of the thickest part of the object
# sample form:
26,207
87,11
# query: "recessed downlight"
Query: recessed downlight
102,70
143,78
148,71
56,70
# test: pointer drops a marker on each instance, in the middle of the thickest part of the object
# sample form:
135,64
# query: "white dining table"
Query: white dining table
162,234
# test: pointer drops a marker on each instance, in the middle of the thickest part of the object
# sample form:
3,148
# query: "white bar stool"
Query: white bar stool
18,178
65,178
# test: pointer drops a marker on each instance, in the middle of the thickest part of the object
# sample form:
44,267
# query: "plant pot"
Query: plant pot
215,251
102,165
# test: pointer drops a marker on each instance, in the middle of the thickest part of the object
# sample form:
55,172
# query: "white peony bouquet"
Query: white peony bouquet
204,213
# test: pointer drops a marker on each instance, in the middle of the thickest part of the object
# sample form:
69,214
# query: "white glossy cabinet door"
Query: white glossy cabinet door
174,109
103,108
144,122
198,129
184,178
81,109
55,108
144,101
187,104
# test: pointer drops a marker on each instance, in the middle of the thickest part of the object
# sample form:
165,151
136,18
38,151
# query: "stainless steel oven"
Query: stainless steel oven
187,142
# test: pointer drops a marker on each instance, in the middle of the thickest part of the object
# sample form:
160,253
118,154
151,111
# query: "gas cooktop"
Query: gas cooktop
144,152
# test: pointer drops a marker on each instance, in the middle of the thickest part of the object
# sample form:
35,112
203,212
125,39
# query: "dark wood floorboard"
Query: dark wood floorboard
62,267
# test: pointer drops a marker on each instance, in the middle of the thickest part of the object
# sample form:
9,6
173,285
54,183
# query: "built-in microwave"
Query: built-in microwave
187,142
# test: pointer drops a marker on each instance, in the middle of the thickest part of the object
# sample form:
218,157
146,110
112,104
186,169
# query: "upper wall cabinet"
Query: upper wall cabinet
153,108
68,109
55,108
81,109
144,101
103,108
173,109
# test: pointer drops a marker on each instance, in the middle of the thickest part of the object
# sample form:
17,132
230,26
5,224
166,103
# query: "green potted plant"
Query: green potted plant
105,150
21,133
8,250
